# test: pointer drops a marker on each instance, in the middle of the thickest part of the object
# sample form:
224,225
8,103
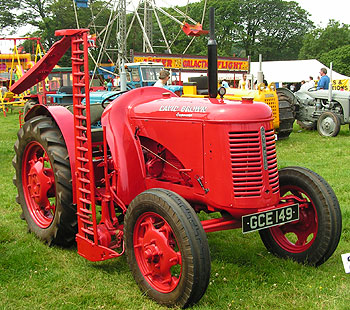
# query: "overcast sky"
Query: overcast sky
321,11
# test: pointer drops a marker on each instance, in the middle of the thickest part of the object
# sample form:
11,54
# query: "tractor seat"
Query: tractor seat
202,84
68,90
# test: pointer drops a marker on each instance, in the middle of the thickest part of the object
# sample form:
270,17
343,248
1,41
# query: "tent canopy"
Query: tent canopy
292,71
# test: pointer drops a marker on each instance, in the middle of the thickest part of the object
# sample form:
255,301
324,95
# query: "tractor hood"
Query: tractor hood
158,103
206,109
323,94
159,115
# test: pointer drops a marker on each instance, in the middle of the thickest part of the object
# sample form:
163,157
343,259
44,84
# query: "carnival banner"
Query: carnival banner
193,63
341,85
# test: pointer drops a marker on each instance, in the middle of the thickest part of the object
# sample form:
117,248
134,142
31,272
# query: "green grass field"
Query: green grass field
244,275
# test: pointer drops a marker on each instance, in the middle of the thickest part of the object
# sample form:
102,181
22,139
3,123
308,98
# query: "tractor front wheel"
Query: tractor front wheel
43,181
167,248
328,124
314,237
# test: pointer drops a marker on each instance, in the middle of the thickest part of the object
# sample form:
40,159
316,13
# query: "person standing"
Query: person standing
304,85
164,76
324,81
244,84
109,85
3,88
311,83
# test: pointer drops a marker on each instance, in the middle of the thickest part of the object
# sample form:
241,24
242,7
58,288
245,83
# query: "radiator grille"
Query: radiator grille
248,165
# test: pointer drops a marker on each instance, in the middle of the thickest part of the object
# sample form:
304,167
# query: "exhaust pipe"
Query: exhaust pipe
260,75
212,57
330,87
122,77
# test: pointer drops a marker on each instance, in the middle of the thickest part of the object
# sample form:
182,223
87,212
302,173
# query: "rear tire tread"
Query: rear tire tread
286,116
44,130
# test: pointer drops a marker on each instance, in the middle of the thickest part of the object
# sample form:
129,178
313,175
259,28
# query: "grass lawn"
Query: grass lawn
244,275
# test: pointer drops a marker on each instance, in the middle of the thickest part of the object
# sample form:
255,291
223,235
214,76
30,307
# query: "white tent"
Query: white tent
286,71
292,71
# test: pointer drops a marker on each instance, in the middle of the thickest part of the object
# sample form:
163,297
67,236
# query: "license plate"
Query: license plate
266,219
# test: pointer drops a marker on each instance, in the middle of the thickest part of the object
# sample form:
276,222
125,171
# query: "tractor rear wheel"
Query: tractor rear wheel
314,237
43,181
28,105
286,115
167,248
328,124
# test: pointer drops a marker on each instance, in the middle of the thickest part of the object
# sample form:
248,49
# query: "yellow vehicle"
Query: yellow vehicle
281,104
12,68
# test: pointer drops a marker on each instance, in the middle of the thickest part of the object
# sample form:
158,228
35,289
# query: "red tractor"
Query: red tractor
136,182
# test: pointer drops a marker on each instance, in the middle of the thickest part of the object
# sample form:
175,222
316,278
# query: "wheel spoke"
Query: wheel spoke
297,193
39,184
289,228
302,238
155,247
296,236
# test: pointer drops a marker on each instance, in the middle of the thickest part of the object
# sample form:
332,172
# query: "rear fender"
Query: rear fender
65,122
345,104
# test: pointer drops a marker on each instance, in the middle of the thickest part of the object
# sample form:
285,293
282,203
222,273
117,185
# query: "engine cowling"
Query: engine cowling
211,151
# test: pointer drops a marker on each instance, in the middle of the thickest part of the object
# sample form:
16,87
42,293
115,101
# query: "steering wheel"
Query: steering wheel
111,97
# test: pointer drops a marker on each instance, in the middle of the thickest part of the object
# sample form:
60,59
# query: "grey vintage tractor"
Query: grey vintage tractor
325,110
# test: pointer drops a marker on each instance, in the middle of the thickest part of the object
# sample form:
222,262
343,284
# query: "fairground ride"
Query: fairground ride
13,66
144,12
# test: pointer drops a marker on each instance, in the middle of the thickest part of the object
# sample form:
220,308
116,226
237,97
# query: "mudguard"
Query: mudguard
65,122
123,142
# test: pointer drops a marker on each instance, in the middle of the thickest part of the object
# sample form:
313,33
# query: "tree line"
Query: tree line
277,29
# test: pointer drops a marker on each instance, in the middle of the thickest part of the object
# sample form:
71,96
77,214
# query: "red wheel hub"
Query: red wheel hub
298,236
38,184
156,252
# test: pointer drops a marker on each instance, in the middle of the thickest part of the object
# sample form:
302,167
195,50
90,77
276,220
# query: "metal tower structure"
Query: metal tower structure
121,32
149,10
